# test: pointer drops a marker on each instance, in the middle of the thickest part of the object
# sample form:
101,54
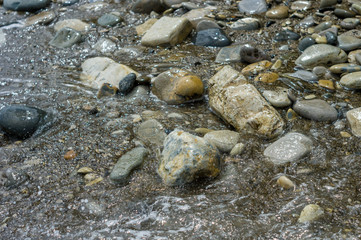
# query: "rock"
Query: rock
304,75
105,45
109,19
70,155
278,98
354,118
2,38
316,109
300,5
247,24
255,68
350,23
224,140
285,182
268,77
68,2
127,83
352,80
22,121
286,35
252,6
15,177
321,54
147,6
44,17
197,15
178,86
305,43
343,13
326,84
345,68
151,132
75,24
237,149
307,22
289,148
241,105
352,56
212,38
327,3
66,37
25,5
241,53
322,27
310,213
278,12
331,38
93,6
206,24
348,43
107,90
143,28
186,157
356,7
85,170
127,163
140,92
167,31
100,70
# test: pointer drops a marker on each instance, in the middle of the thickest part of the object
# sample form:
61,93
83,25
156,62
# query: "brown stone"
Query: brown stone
268,77
278,12
70,155
255,68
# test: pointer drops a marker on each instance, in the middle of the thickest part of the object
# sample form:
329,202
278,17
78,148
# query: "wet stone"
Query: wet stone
143,28
277,98
307,22
350,23
343,13
300,5
147,6
345,68
127,163
305,43
351,80
211,38
206,24
75,24
237,149
127,83
68,2
44,17
140,92
286,35
246,24
268,77
310,213
105,45
2,38
66,37
109,19
354,119
15,177
151,132
352,56
358,58
186,157
107,90
278,12
290,148
241,53
285,182
322,26
327,3
326,84
256,68
348,43
224,140
316,109
356,7
252,6
25,5
331,38
304,75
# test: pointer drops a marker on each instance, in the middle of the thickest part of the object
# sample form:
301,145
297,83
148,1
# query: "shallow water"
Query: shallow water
244,202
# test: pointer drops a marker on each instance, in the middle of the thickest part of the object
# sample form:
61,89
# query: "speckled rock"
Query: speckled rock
352,80
310,213
278,97
99,70
105,45
241,53
350,23
252,6
177,86
267,77
224,140
151,132
305,43
127,83
167,31
66,37
321,54
241,105
354,118
289,148
214,37
25,5
75,24
246,24
286,35
186,157
316,109
278,12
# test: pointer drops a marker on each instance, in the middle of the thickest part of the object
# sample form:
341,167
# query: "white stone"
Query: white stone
354,118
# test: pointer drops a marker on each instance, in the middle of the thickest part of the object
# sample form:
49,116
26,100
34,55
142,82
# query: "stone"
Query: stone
127,83
93,6
351,58
151,132
268,77
327,3
285,182
316,109
22,121
139,92
343,13
241,53
354,119
356,7
307,22
310,213
66,37
286,35
206,24
167,31
322,27
304,75
290,148
214,37
240,104
75,24
44,17
197,15
2,38
186,157
127,163
109,20
300,5
305,43
15,177
256,68
326,84
247,24
178,86
70,155
352,80
143,28
277,98
224,140
331,38
321,54
99,70
345,68
237,149
107,90
147,6
252,6
348,43
25,5
105,45
68,2
278,12
350,23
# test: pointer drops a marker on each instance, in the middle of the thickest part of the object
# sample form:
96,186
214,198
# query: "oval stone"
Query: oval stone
316,109
352,80
345,68
278,12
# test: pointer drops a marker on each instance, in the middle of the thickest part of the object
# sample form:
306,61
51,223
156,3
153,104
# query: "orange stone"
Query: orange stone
188,86
255,68
326,84
70,155
268,77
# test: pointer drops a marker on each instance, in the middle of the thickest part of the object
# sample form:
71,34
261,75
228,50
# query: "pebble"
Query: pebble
70,155
351,58
291,115
354,119
203,131
290,148
327,3
178,86
252,6
285,182
93,6
186,157
326,84
197,15
321,54
286,35
307,22
304,75
75,24
214,37
107,90
305,43
331,38
2,38
356,7
44,17
105,45
358,58
256,68
278,12
127,83
206,24
224,140
151,132
167,31
109,19
316,109
310,213
143,28
343,13
68,2
345,68
247,24
345,134
241,53
15,177
350,23
319,71
348,43
300,5
85,170
322,26
139,92
65,38
25,5
351,80
238,149
127,163
277,98
147,6
268,77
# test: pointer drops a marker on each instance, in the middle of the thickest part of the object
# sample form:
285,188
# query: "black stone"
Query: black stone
286,35
25,5
342,13
305,43
212,37
331,38
127,83
147,6
70,2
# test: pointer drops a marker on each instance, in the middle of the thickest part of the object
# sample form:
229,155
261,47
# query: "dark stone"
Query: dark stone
147,6
331,38
109,20
15,177
241,53
317,110
69,2
127,83
252,6
343,13
212,38
107,90
25,5
66,37
206,24
305,43
286,35
21,121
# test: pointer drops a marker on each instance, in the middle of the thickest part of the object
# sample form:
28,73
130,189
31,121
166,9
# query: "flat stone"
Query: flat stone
343,13
285,182
304,75
290,148
167,31
267,77
241,105
99,70
214,37
241,53
348,43
321,54
286,35
278,98
237,149
197,15
305,43
25,5
345,68
151,132
186,157
256,68
66,37
143,28
224,140
44,17
147,6
310,213
206,24
356,7
316,109
350,23
109,20
75,24
322,27
126,164
252,6
351,58
352,80
354,119
247,24
139,92
308,21
278,12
